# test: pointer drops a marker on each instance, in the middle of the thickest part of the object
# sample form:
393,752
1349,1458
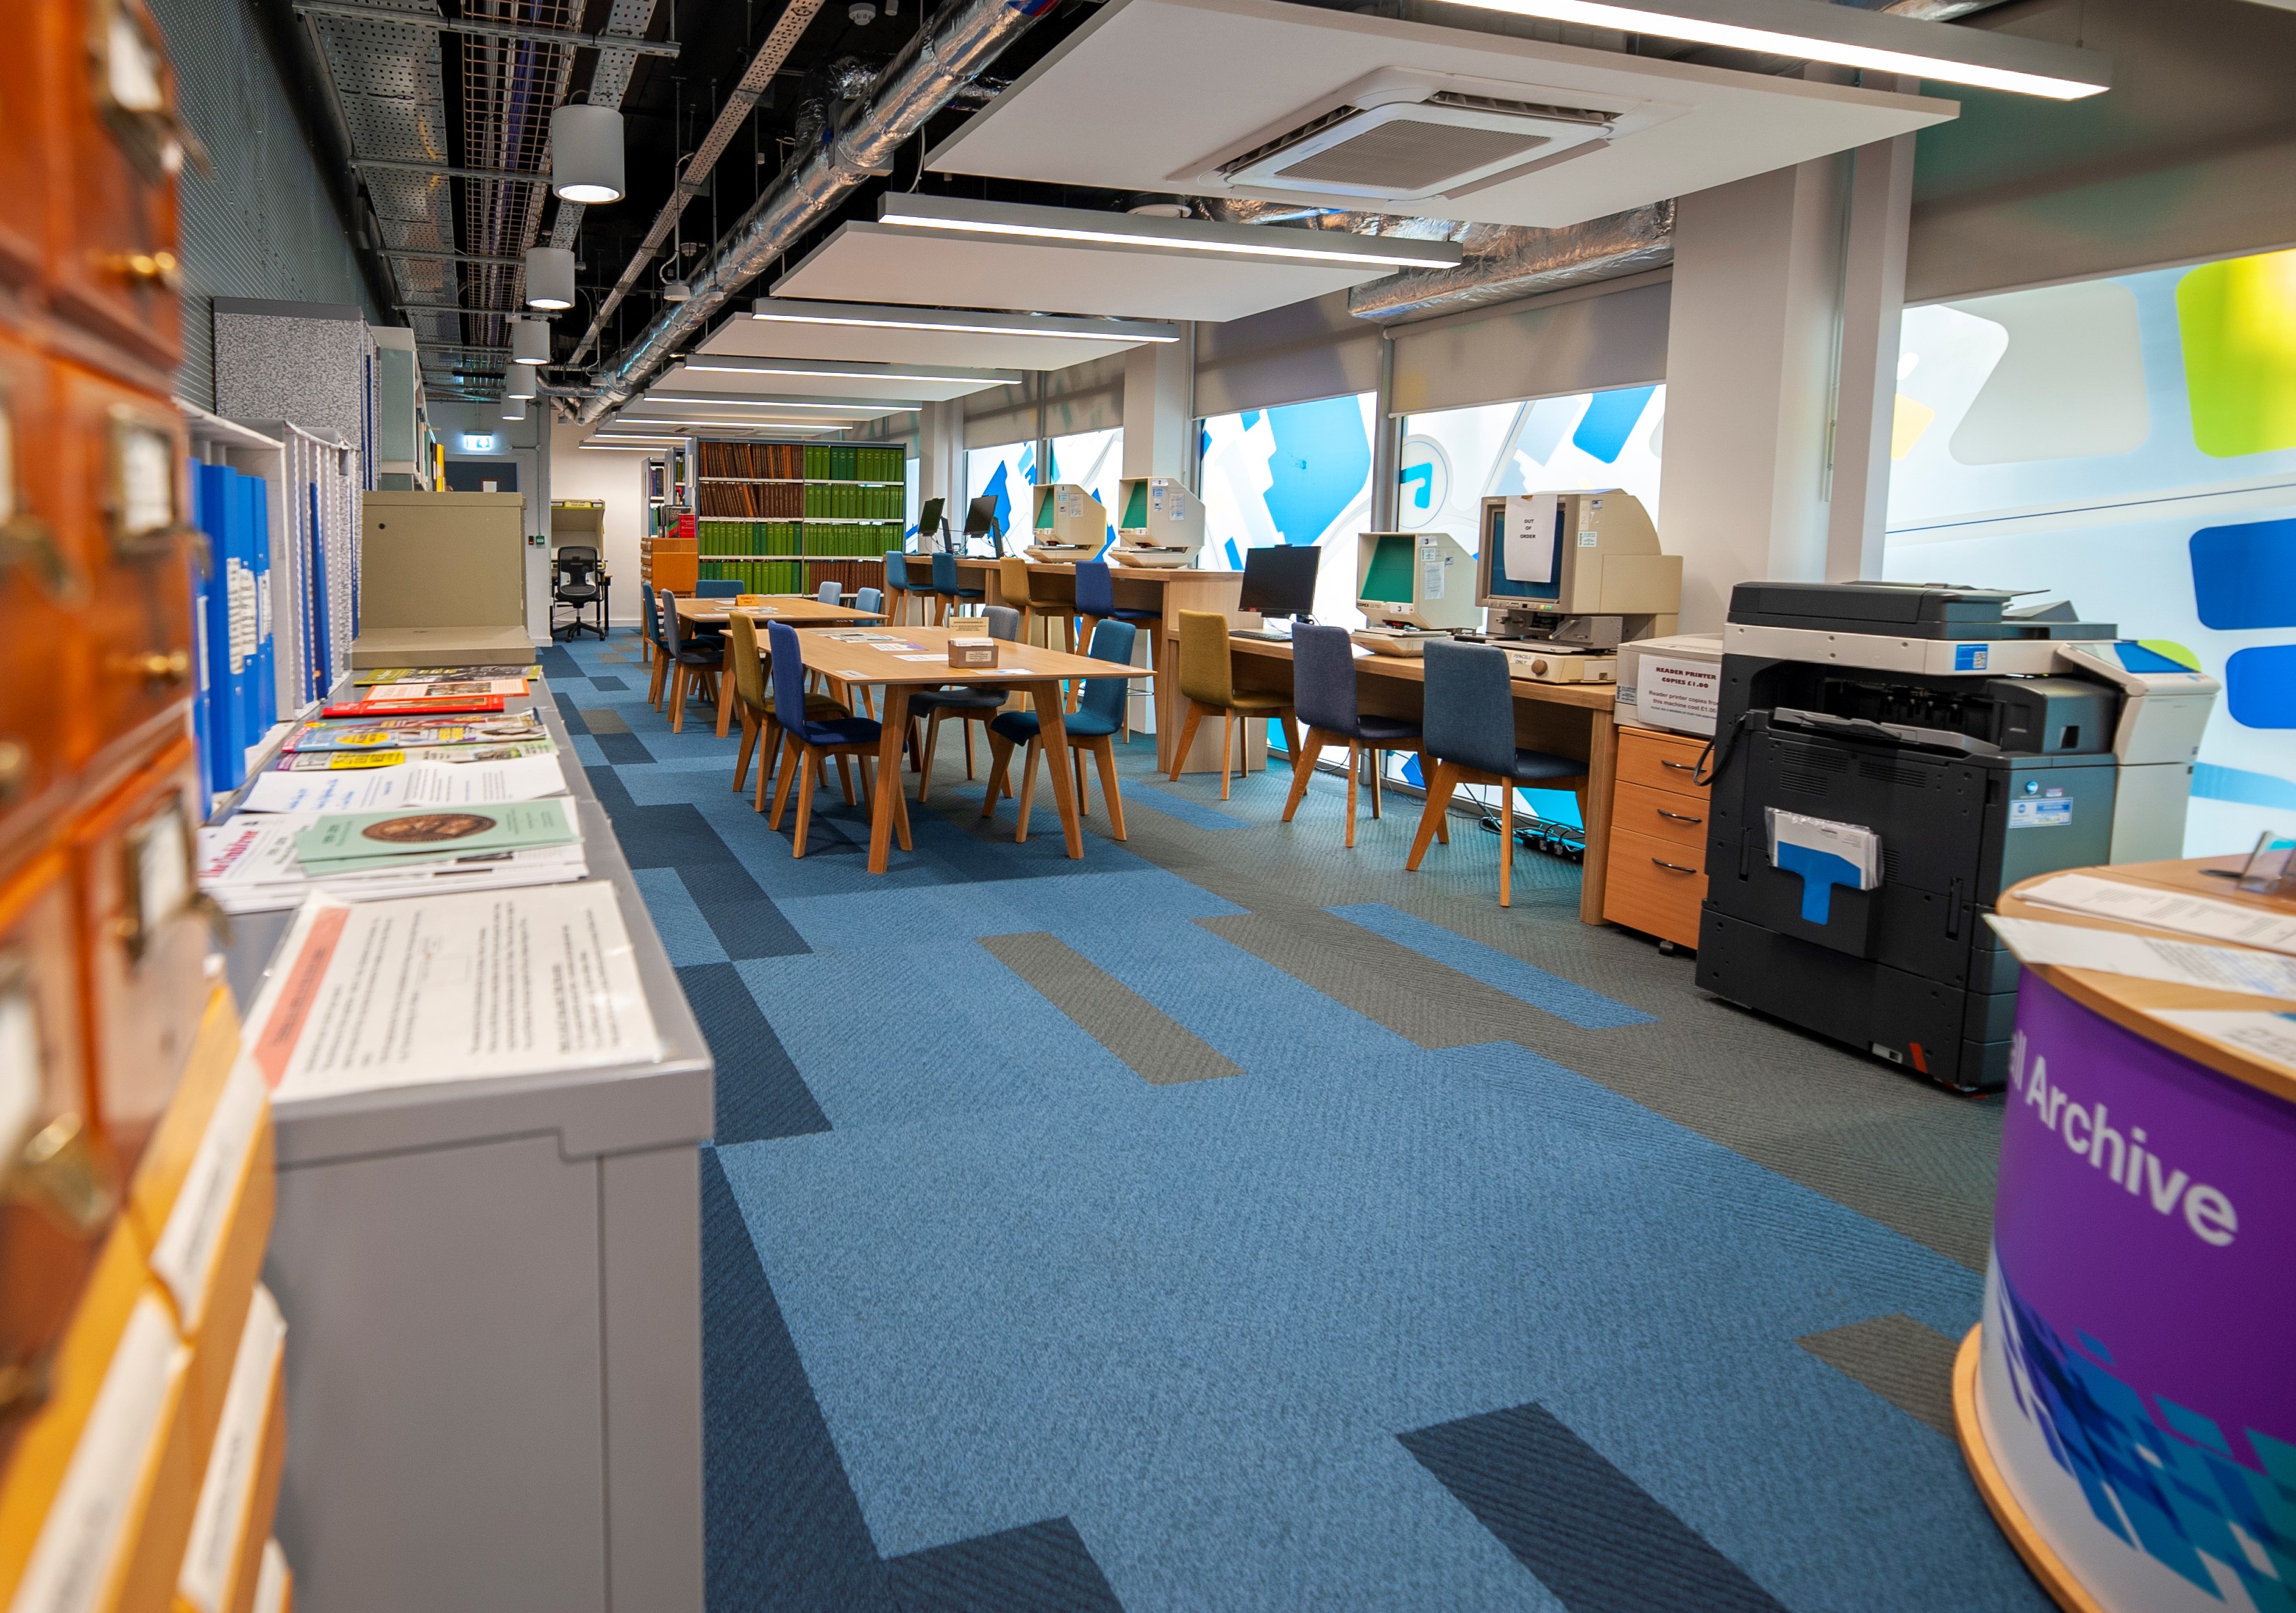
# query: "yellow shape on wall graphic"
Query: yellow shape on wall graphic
2238,320
2173,651
1906,424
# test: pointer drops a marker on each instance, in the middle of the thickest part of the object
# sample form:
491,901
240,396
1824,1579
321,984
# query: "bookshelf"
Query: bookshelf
785,517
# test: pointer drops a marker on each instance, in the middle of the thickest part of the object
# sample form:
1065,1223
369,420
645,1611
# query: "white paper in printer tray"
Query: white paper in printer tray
450,987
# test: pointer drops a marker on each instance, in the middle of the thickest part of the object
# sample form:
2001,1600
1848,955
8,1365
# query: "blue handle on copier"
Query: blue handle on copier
1820,872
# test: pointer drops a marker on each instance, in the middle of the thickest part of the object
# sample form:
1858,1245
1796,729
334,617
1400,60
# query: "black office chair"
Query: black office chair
575,585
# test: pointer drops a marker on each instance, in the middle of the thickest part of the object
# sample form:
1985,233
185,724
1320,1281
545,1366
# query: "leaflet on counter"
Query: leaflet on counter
248,865
2271,1037
450,987
350,842
2165,909
442,674
451,755
2147,957
418,783
389,733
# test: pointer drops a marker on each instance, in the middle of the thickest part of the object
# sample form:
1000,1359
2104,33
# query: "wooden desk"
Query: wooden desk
1166,589
1028,669
798,610
1564,719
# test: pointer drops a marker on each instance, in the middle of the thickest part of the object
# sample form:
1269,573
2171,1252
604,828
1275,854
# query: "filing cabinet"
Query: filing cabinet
25,154
39,577
119,144
1656,876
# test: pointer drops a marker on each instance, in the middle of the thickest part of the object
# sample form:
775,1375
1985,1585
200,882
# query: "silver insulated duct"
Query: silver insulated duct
1504,262
929,73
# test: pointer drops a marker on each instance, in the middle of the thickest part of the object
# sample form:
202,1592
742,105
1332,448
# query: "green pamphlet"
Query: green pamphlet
358,841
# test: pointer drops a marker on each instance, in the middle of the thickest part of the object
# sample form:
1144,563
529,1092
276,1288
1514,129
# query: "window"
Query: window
2129,443
1300,473
1008,471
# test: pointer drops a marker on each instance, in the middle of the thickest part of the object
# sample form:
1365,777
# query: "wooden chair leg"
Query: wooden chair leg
1028,798
1378,764
845,778
925,762
1290,719
1227,745
677,681
1187,738
769,745
748,744
660,678
790,769
968,751
1506,844
809,781
861,759
1083,795
1303,763
1103,752
1355,764
1440,786
1000,756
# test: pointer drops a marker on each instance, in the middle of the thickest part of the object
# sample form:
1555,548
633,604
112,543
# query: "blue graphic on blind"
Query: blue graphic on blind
1610,420
1322,458
2260,685
2244,576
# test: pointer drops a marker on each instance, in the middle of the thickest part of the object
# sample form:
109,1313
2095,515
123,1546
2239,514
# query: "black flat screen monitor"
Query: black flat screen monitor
981,521
1279,579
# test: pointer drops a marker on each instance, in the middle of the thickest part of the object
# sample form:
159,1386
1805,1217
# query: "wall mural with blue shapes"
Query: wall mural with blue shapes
2129,443
1094,461
1007,473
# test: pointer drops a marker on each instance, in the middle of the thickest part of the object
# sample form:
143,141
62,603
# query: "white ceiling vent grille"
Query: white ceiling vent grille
1401,135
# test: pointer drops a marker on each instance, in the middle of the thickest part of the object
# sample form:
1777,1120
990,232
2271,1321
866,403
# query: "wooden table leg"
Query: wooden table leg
1602,778
726,688
886,804
1055,732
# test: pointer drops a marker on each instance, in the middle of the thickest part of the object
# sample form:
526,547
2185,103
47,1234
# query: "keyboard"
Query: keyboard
1261,634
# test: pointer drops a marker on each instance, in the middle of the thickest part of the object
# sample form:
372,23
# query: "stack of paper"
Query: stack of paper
450,755
416,783
2257,974
1825,854
249,865
391,732
442,674
359,843
2255,926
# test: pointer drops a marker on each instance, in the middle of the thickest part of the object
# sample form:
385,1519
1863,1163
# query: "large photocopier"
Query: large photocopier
1887,759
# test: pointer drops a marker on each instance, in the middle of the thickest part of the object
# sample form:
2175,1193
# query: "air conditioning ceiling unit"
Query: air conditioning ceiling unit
1401,135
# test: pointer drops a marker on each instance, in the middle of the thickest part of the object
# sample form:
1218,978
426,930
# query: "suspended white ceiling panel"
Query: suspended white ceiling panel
884,263
763,339
683,378
1398,117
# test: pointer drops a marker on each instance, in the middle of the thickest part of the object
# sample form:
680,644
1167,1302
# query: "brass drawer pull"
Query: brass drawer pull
1677,817
1675,866
148,269
153,666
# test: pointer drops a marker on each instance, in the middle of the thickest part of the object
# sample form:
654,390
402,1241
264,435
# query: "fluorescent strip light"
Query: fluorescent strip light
1773,29
663,400
832,370
753,426
781,310
1162,235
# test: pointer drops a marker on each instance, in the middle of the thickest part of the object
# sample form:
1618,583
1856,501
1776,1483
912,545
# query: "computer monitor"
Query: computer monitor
1414,579
1279,579
1588,556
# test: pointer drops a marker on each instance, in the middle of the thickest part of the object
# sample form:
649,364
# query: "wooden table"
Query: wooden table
1028,669
1168,589
1561,718
798,610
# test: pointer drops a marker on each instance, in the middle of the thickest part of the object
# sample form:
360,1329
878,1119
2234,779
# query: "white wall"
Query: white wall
617,478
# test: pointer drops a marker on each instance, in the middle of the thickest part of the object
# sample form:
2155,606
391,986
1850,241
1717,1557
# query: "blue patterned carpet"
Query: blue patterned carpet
1231,1220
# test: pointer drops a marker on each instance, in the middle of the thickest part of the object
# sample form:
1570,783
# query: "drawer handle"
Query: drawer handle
1679,766
60,1173
15,769
1675,866
153,666
148,269
1677,817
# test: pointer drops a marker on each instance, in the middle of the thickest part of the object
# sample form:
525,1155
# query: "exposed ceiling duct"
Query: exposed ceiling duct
1504,262
939,62
691,180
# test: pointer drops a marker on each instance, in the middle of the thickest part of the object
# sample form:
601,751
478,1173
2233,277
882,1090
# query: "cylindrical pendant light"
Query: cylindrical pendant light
585,154
519,381
549,277
513,409
530,340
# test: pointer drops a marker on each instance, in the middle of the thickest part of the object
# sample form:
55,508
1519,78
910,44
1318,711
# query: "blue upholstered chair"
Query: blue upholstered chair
1096,602
716,587
898,586
871,600
1324,695
815,740
1091,728
656,651
948,589
967,706
829,593
694,662
1469,737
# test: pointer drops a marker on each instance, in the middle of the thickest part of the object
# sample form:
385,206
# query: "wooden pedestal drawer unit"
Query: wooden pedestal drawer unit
118,145
26,122
145,936
58,1186
1657,869
125,455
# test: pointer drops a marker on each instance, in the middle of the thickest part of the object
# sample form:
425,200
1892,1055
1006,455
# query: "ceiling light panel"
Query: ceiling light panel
786,310
1125,232
735,365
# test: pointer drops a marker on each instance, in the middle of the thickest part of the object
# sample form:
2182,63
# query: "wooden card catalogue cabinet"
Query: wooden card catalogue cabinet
144,933
120,145
128,501
38,581
1657,867
27,150
58,1183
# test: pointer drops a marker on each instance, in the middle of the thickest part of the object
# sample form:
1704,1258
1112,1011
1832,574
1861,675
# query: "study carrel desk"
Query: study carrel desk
1564,719
798,610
